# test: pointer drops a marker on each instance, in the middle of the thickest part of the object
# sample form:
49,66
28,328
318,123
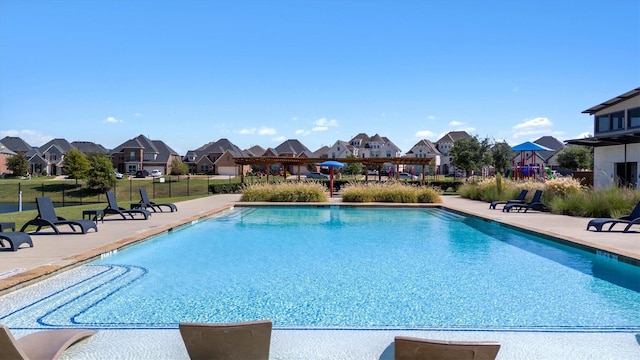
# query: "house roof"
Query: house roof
322,151
618,99
425,143
62,144
453,136
293,146
16,144
5,150
87,147
255,150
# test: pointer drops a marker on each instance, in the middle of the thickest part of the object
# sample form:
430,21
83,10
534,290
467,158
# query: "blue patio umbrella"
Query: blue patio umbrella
331,164
529,146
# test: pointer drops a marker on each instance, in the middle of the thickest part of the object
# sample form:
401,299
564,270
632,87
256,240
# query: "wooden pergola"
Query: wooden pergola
376,163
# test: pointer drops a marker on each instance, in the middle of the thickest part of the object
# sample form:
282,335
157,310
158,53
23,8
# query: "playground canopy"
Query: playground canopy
331,164
529,146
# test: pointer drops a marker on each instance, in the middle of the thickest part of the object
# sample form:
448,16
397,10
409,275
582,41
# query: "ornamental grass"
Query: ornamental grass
389,192
562,195
285,192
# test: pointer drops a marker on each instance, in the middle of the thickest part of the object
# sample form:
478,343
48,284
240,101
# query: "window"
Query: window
634,117
602,123
617,121
132,155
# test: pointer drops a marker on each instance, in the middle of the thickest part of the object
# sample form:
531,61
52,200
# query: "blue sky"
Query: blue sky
260,72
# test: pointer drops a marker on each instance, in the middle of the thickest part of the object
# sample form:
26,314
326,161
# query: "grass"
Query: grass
562,196
308,191
390,192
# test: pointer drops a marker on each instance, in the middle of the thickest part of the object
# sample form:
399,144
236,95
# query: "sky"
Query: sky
189,72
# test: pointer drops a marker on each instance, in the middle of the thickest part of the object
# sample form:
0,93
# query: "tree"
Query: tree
501,154
101,174
178,167
575,157
353,168
18,164
470,154
76,165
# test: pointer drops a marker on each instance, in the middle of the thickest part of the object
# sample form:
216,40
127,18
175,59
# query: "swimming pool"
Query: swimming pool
340,268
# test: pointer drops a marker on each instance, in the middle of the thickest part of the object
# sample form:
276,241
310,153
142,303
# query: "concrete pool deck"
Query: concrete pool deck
55,253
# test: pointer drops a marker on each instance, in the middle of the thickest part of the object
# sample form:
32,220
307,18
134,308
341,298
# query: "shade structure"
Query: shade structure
331,164
529,146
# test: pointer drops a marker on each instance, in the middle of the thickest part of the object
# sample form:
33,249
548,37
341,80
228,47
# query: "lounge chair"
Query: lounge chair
40,345
518,200
629,220
47,217
113,208
245,340
145,202
534,204
15,239
408,348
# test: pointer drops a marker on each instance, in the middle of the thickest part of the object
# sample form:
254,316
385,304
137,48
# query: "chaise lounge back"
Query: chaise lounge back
40,345
244,340
409,348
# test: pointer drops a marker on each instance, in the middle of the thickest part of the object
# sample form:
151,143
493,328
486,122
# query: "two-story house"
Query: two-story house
215,158
425,149
291,148
616,141
142,153
444,145
5,153
375,146
53,154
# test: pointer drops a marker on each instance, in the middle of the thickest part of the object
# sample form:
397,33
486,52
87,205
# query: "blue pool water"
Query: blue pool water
333,267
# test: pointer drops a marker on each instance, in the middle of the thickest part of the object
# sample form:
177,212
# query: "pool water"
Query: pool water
340,268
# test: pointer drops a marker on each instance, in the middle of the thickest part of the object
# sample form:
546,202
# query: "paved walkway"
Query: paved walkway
54,253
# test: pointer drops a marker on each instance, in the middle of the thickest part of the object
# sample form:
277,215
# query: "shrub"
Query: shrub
391,192
285,192
562,187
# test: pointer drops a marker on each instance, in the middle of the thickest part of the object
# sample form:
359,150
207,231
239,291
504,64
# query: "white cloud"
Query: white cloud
320,128
425,134
112,120
456,123
250,131
137,115
531,127
323,122
303,132
267,131
583,135
279,139
431,117
295,118
534,123
31,137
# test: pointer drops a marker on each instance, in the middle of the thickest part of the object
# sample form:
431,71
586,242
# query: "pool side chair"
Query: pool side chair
243,340
534,204
144,201
409,348
40,345
15,239
114,209
47,218
632,219
518,200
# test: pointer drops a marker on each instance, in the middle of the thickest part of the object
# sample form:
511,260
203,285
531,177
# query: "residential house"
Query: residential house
322,152
616,140
425,149
53,154
291,148
444,145
341,149
37,163
255,150
375,146
215,158
5,153
142,153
